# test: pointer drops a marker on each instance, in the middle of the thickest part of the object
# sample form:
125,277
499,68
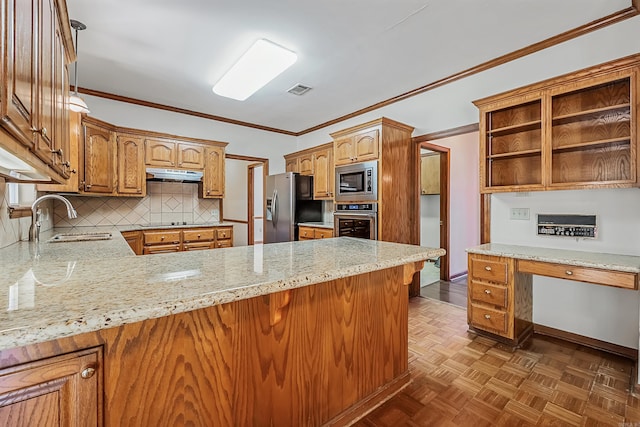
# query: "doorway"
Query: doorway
245,178
434,209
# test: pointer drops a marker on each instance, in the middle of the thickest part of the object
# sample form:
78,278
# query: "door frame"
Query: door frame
444,199
258,161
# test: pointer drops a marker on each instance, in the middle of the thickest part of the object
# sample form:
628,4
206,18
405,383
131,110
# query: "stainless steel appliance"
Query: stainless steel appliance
356,220
357,182
289,202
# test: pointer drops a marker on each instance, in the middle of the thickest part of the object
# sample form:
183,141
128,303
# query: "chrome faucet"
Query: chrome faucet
34,231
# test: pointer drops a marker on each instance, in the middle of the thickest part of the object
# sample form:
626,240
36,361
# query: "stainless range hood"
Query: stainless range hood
173,175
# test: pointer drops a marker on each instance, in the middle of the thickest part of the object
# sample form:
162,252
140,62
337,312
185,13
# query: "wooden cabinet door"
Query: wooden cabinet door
61,134
160,153
323,174
430,174
45,117
131,172
62,391
19,73
190,156
366,145
99,160
292,165
344,150
213,177
306,164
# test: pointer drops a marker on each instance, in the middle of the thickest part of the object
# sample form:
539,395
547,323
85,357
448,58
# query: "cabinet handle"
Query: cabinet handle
487,316
87,373
487,268
487,291
569,272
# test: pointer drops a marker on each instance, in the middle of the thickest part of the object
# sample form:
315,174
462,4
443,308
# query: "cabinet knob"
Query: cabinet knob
42,131
161,237
487,291
87,373
198,236
139,190
487,316
87,186
569,272
487,268
208,192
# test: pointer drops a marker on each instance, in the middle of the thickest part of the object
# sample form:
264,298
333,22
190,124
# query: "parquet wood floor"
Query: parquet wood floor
461,379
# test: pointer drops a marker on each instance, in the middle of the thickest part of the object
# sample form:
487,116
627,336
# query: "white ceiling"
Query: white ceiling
353,53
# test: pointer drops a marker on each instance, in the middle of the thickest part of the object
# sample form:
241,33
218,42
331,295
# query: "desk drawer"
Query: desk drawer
489,294
490,270
489,320
617,279
161,237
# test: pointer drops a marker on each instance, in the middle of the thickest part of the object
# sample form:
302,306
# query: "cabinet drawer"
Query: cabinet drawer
323,233
197,246
492,271
305,233
202,235
224,243
487,319
224,233
160,249
489,294
161,237
618,279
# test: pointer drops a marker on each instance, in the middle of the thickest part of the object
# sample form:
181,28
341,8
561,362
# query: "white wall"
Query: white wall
600,312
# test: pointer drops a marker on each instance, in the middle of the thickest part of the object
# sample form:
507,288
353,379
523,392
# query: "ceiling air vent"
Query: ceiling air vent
299,89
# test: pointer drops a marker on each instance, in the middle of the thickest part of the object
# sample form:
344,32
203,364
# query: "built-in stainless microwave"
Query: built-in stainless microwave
357,182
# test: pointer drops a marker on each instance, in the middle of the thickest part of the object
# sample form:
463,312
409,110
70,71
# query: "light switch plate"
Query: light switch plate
519,213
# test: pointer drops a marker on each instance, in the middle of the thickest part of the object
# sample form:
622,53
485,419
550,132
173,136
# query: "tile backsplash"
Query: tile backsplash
165,202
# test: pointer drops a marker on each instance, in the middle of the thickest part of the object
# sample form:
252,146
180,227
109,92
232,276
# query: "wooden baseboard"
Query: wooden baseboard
629,353
373,401
458,275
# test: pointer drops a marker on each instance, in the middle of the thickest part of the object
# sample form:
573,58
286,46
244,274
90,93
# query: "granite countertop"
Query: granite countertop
616,262
317,224
63,289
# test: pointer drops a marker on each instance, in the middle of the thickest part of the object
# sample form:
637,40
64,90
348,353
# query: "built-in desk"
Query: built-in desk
500,299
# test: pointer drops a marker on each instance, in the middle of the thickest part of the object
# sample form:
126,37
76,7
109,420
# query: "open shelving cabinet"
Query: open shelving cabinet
573,131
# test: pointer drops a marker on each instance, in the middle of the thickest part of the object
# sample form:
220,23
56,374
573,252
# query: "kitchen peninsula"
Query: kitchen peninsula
283,334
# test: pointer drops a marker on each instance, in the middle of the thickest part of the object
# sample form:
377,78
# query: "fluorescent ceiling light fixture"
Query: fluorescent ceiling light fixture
263,62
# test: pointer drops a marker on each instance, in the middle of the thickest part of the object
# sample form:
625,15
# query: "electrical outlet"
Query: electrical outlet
519,213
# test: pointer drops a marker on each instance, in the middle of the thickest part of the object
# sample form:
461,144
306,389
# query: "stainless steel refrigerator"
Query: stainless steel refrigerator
289,202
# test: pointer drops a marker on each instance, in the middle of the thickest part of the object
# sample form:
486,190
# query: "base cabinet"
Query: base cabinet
312,233
60,391
288,358
492,306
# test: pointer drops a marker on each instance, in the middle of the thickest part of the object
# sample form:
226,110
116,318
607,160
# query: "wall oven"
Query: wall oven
356,220
357,182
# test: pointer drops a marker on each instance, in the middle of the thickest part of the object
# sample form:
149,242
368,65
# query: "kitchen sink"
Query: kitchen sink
79,237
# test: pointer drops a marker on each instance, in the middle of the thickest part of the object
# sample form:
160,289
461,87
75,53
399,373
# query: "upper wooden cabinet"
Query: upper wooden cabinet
160,153
323,178
430,174
305,163
316,161
360,146
575,131
99,172
36,46
131,172
292,164
172,154
213,178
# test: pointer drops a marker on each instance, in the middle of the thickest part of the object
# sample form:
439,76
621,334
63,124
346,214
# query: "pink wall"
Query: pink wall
464,198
